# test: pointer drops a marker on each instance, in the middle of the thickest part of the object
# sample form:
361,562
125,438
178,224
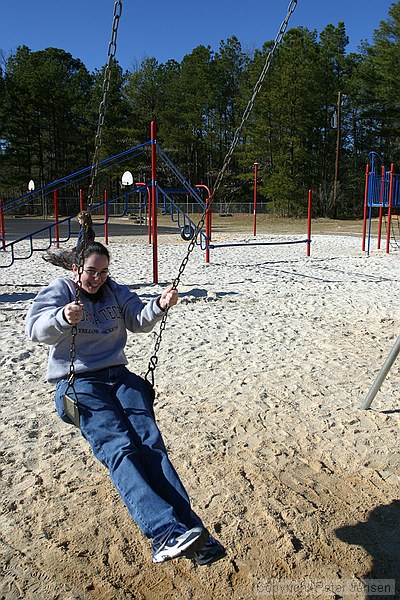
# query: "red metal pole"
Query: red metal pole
255,199
105,199
365,206
55,196
309,222
208,218
381,206
80,200
390,207
208,226
154,198
149,211
149,203
2,226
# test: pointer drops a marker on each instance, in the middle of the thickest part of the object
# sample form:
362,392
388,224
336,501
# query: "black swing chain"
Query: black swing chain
278,39
74,329
112,49
154,357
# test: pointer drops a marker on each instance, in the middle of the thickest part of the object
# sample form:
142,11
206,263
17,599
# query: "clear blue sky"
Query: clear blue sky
170,29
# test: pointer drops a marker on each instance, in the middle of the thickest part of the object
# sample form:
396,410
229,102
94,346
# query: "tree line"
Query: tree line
49,108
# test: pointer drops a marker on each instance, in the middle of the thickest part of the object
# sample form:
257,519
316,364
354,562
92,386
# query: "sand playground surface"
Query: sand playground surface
262,369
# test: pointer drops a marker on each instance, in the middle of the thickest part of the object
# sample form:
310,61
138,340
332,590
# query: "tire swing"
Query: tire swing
187,232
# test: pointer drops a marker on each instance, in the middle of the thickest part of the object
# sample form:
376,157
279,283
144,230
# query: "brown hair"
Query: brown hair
86,217
96,248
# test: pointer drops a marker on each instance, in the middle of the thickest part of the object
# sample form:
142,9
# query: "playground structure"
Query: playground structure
188,227
153,197
307,240
382,191
60,230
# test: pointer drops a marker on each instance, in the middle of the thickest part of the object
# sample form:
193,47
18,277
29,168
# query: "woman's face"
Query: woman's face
95,273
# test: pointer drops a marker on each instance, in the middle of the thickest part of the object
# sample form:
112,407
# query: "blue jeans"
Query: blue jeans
117,419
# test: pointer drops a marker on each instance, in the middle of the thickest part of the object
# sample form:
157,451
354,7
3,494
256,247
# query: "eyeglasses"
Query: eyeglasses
94,273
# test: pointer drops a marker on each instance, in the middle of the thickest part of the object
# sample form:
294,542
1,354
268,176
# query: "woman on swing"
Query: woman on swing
116,406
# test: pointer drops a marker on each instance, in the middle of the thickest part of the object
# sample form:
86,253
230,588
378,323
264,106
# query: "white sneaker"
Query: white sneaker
212,551
176,540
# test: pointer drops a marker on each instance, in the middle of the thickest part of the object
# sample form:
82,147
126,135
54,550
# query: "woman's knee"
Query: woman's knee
141,388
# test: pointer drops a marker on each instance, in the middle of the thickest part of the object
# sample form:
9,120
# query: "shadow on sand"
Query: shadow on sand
380,537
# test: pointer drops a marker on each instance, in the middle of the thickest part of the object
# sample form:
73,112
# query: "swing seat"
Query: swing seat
71,409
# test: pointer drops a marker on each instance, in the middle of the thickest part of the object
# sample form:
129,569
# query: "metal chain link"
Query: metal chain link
112,49
154,357
278,39
74,330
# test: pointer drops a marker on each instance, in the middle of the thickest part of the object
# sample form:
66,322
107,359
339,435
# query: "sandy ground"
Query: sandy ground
263,367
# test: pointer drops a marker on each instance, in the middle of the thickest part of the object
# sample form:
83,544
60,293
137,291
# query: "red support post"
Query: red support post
208,226
381,195
309,222
105,199
81,200
154,199
55,197
390,207
150,215
255,199
365,206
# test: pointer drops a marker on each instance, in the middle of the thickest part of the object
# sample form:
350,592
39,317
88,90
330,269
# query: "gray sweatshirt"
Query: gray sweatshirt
102,333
